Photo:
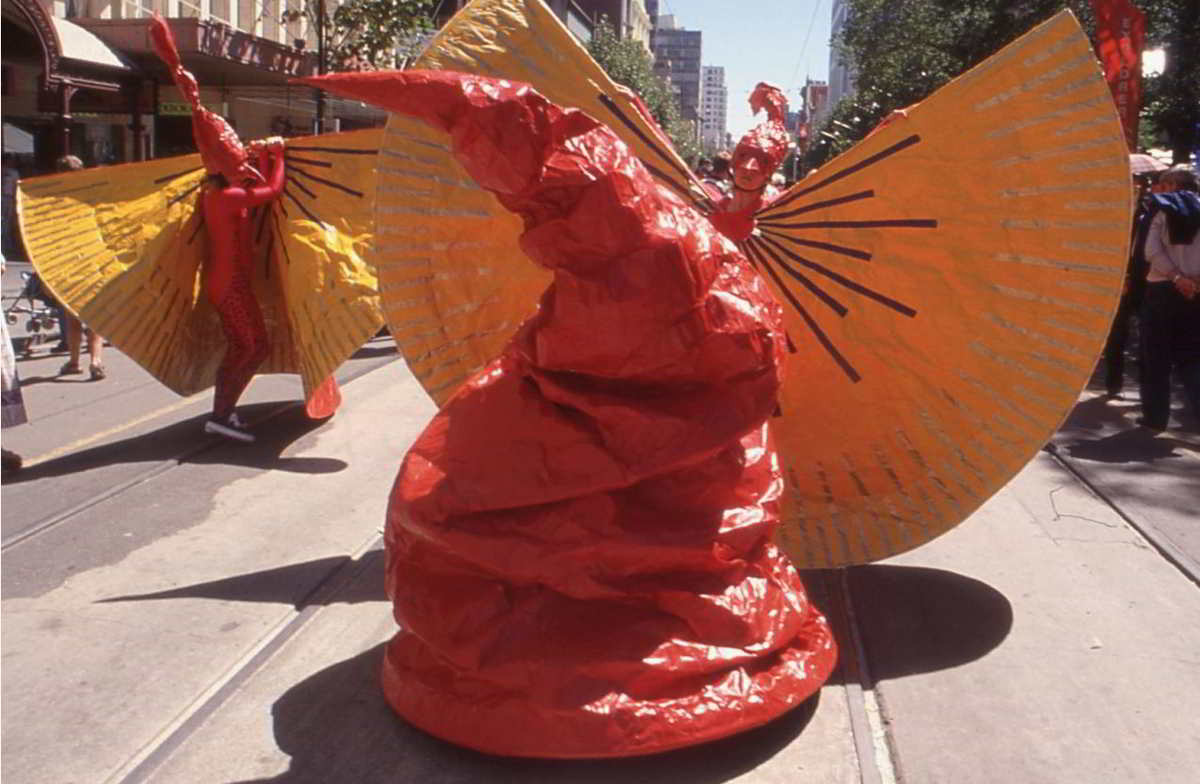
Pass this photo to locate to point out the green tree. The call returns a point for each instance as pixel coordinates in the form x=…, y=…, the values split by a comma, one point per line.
x=367, y=34
x=1171, y=100
x=627, y=62
x=905, y=49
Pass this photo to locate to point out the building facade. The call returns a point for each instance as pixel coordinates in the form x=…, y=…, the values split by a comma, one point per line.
x=816, y=101
x=841, y=67
x=81, y=77
x=713, y=106
x=677, y=58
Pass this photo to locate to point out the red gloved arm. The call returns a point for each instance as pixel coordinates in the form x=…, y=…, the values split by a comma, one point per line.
x=503, y=132
x=244, y=198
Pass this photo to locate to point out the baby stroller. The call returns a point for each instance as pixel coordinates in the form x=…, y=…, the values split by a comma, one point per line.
x=41, y=308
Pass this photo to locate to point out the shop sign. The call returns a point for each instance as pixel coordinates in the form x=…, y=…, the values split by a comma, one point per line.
x=181, y=108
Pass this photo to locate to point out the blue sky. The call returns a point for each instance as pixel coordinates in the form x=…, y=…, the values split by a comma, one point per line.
x=758, y=40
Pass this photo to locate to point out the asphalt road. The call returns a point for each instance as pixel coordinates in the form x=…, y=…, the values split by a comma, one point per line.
x=127, y=434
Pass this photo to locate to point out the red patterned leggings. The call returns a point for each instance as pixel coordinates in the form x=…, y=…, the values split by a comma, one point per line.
x=247, y=344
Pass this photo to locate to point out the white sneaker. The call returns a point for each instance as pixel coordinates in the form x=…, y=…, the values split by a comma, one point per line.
x=231, y=429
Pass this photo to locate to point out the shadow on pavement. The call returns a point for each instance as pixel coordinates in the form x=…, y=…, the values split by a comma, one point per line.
x=916, y=620
x=296, y=584
x=1154, y=474
x=186, y=442
x=1130, y=446
x=336, y=727
x=78, y=378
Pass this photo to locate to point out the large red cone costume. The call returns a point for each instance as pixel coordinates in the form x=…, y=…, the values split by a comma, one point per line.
x=579, y=544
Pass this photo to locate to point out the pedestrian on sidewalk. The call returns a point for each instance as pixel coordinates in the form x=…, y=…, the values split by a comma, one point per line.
x=12, y=405
x=1170, y=317
x=74, y=327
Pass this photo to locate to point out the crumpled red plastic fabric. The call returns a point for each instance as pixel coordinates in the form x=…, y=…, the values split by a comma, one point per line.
x=579, y=544
x=219, y=146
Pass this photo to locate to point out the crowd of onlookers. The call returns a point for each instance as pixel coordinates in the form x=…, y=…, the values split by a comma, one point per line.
x=1162, y=291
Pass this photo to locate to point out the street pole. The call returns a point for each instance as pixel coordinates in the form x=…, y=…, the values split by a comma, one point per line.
x=320, y=94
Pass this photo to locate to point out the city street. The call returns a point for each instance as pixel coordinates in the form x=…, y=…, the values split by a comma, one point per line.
x=925, y=209
x=178, y=608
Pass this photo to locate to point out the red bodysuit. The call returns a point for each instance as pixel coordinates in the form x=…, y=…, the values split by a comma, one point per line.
x=228, y=278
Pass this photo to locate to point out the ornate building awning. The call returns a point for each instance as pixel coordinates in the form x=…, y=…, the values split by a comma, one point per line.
x=70, y=54
x=215, y=52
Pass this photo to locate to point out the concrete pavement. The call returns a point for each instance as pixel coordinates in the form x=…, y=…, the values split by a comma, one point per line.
x=1043, y=640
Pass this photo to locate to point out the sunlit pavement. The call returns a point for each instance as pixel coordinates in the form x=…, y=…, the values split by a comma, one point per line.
x=180, y=609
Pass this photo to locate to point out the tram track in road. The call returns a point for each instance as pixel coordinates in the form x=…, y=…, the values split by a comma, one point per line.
x=142, y=765
x=157, y=469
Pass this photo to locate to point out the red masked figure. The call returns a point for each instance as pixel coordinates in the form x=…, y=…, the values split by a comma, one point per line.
x=755, y=159
x=233, y=188
x=579, y=544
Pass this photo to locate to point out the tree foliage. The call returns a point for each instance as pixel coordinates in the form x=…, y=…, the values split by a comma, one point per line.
x=1171, y=103
x=364, y=35
x=904, y=50
x=628, y=63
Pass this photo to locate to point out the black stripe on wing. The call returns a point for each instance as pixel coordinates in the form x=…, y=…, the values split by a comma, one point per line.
x=293, y=160
x=893, y=223
x=703, y=202
x=303, y=209
x=176, y=175
x=329, y=183
x=794, y=273
x=295, y=181
x=813, y=326
x=818, y=205
x=181, y=196
x=277, y=229
x=333, y=150
x=903, y=144
x=842, y=250
x=774, y=248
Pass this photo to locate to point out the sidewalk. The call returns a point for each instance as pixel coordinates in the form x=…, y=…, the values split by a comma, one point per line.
x=1043, y=640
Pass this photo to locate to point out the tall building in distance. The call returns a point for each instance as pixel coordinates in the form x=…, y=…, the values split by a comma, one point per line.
x=677, y=57
x=841, y=68
x=713, y=103
x=816, y=101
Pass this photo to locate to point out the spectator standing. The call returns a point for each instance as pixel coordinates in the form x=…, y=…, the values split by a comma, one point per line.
x=12, y=406
x=1170, y=317
x=74, y=328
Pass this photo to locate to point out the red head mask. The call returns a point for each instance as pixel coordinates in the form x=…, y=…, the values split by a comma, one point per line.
x=769, y=140
x=219, y=146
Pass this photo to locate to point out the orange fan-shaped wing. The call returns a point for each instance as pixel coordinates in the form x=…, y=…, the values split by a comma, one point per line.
x=948, y=282
x=123, y=247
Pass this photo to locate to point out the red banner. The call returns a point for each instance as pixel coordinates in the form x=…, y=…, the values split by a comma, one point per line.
x=1120, y=34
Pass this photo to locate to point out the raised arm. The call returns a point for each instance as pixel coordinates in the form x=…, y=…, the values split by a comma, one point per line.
x=271, y=161
x=504, y=133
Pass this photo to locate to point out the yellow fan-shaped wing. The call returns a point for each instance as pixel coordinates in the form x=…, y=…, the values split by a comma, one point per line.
x=454, y=283
x=949, y=283
x=123, y=247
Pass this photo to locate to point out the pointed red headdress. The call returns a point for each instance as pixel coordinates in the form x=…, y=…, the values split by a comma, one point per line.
x=770, y=138
x=219, y=145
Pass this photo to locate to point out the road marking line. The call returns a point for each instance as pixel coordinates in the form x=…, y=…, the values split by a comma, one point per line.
x=89, y=440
